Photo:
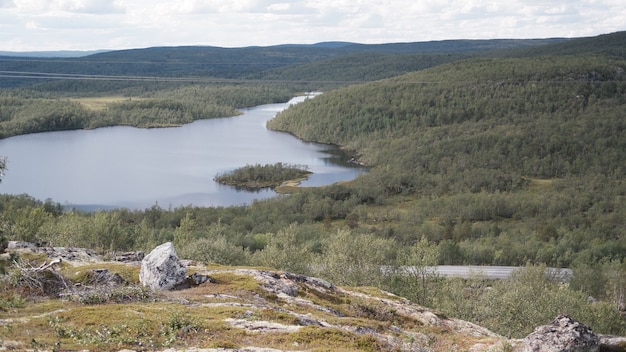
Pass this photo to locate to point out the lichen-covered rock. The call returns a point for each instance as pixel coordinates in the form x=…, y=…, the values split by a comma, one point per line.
x=21, y=245
x=563, y=334
x=194, y=280
x=128, y=257
x=161, y=269
x=104, y=277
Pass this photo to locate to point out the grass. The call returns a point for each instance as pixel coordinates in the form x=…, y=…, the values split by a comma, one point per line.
x=199, y=317
x=129, y=273
x=335, y=340
x=540, y=185
x=100, y=103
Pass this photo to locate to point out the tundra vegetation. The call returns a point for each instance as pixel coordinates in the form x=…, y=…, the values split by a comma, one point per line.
x=507, y=158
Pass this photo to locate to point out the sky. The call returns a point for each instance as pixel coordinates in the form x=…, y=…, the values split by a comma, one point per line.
x=44, y=25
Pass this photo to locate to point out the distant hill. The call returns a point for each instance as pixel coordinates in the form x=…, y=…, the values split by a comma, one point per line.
x=51, y=54
x=319, y=66
x=612, y=44
x=237, y=63
x=451, y=46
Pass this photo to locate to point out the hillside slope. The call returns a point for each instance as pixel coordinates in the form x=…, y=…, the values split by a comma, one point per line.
x=492, y=152
x=73, y=299
x=541, y=117
x=91, y=304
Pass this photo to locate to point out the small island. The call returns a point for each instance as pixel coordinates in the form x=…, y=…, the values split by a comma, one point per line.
x=264, y=176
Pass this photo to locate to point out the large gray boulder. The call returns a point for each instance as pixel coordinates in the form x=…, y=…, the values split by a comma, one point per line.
x=161, y=269
x=563, y=334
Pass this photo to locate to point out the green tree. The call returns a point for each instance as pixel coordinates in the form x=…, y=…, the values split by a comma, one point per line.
x=589, y=279
x=355, y=259
x=215, y=249
x=285, y=252
x=3, y=239
x=26, y=222
x=3, y=166
x=105, y=232
x=532, y=297
x=415, y=276
x=184, y=234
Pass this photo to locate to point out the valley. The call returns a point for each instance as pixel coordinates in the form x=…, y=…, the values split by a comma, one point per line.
x=478, y=153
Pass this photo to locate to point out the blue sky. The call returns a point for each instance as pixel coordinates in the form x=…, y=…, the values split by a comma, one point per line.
x=39, y=25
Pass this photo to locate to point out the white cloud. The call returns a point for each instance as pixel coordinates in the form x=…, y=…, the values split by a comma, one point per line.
x=80, y=6
x=90, y=6
x=6, y=4
x=94, y=24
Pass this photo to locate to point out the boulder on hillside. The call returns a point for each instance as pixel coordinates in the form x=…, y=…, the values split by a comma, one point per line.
x=161, y=269
x=563, y=334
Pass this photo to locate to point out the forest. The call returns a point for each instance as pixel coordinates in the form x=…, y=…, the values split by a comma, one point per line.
x=500, y=157
x=28, y=111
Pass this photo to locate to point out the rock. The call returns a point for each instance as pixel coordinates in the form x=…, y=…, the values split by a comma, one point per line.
x=67, y=254
x=104, y=277
x=21, y=245
x=194, y=280
x=563, y=334
x=71, y=254
x=161, y=269
x=612, y=343
x=128, y=257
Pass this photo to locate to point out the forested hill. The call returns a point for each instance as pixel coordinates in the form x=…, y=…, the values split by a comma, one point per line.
x=520, y=105
x=231, y=63
x=389, y=60
x=516, y=159
x=534, y=117
x=611, y=44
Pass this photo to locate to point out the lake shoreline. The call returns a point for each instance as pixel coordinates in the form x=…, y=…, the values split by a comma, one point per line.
x=137, y=168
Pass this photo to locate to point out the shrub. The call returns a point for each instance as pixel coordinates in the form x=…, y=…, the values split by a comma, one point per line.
x=107, y=294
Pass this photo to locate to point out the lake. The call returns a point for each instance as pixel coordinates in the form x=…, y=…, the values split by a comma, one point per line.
x=138, y=168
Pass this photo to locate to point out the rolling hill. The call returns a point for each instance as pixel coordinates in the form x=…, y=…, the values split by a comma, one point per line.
x=231, y=63
x=474, y=140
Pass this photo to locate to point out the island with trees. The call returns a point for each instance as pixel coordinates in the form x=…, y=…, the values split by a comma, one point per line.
x=264, y=176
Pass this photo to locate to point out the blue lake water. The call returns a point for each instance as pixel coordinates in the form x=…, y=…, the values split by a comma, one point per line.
x=138, y=168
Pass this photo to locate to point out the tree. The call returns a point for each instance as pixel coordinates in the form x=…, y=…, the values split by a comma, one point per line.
x=355, y=259
x=3, y=239
x=416, y=272
x=3, y=166
x=285, y=252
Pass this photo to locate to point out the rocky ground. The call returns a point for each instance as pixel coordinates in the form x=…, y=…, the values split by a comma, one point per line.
x=82, y=301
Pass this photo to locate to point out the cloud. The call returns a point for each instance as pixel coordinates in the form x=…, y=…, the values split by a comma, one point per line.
x=29, y=7
x=90, y=6
x=230, y=7
x=290, y=8
x=6, y=4
x=111, y=24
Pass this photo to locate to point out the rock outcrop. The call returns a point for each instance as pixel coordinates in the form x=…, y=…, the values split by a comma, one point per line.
x=563, y=334
x=305, y=310
x=161, y=269
x=67, y=254
x=128, y=257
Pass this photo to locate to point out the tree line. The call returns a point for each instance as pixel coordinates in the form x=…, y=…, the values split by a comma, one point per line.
x=25, y=111
x=334, y=251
